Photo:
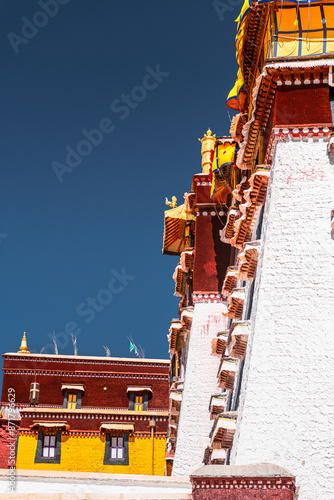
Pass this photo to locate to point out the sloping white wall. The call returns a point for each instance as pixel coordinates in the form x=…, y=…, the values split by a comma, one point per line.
x=199, y=384
x=286, y=413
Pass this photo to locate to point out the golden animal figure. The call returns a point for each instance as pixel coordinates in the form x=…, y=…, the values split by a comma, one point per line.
x=171, y=203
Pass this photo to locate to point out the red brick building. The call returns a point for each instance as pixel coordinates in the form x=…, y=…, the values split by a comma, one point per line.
x=85, y=413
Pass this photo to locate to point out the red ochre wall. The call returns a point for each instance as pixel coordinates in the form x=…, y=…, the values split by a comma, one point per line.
x=294, y=105
x=7, y=443
x=212, y=257
x=302, y=105
x=116, y=377
x=242, y=494
x=90, y=422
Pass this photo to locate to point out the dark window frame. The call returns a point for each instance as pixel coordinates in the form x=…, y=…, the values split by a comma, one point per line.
x=78, y=401
x=116, y=461
x=39, y=459
x=132, y=397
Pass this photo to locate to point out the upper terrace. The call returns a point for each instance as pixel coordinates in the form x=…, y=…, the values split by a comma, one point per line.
x=270, y=32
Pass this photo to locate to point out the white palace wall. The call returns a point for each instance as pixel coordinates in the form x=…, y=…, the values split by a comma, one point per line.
x=286, y=412
x=199, y=384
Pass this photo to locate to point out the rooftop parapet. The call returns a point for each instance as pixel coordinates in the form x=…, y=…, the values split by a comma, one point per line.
x=268, y=31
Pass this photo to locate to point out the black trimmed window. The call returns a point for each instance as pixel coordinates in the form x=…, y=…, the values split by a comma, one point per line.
x=48, y=448
x=72, y=395
x=138, y=402
x=116, y=449
x=49, y=445
x=139, y=397
x=72, y=400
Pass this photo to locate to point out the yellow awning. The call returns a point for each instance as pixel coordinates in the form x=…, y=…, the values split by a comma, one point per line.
x=301, y=30
x=234, y=99
x=117, y=427
x=72, y=387
x=175, y=222
x=136, y=388
x=50, y=425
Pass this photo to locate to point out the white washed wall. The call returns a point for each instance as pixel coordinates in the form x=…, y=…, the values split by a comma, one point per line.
x=286, y=413
x=199, y=384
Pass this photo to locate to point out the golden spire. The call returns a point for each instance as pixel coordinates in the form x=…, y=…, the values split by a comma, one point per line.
x=24, y=346
x=208, y=144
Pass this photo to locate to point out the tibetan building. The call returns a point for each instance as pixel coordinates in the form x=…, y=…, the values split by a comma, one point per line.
x=85, y=413
x=252, y=347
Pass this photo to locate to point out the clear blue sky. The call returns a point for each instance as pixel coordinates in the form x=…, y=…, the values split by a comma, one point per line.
x=60, y=242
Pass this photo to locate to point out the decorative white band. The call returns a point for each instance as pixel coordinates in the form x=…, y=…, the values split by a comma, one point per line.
x=206, y=298
x=293, y=133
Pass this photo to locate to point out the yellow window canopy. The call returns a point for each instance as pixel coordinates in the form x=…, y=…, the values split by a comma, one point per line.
x=224, y=154
x=223, y=172
x=50, y=425
x=135, y=388
x=72, y=387
x=247, y=5
x=236, y=98
x=116, y=427
x=175, y=223
x=300, y=30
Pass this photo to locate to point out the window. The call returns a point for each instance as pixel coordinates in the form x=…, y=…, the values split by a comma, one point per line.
x=116, y=449
x=48, y=448
x=139, y=405
x=73, y=394
x=139, y=397
x=72, y=401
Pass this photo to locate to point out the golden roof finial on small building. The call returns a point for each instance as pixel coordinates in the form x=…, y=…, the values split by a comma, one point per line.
x=171, y=203
x=208, y=144
x=24, y=346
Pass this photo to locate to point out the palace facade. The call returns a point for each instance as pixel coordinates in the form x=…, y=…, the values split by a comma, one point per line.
x=85, y=413
x=252, y=345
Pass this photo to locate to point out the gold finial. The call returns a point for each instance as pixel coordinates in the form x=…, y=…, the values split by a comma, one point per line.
x=208, y=144
x=171, y=203
x=208, y=135
x=24, y=346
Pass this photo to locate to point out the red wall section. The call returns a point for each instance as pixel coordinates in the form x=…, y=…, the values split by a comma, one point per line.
x=203, y=193
x=220, y=494
x=7, y=444
x=93, y=422
x=212, y=257
x=115, y=376
x=302, y=105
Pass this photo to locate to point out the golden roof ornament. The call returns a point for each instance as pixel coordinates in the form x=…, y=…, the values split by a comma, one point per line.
x=171, y=203
x=208, y=145
x=24, y=345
